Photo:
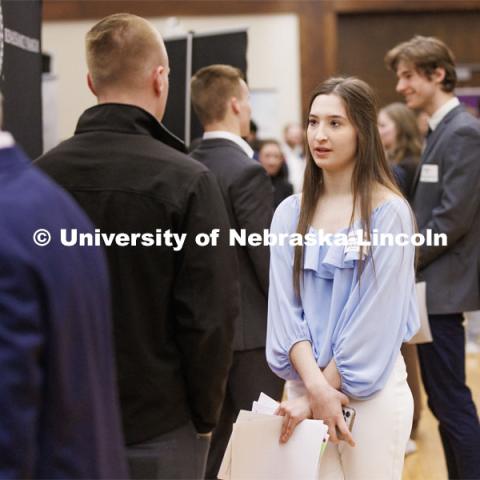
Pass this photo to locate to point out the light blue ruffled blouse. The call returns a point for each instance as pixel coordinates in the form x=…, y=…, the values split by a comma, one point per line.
x=361, y=326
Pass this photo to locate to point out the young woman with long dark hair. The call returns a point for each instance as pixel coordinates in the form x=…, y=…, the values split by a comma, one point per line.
x=338, y=313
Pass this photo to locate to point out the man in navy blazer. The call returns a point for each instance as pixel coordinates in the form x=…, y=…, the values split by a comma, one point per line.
x=446, y=200
x=220, y=98
x=59, y=415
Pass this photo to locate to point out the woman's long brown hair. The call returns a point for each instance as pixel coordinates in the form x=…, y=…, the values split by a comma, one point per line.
x=371, y=166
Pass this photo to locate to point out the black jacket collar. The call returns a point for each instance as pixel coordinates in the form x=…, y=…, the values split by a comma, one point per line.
x=130, y=119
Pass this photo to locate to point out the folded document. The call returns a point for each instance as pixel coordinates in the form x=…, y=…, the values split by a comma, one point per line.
x=255, y=452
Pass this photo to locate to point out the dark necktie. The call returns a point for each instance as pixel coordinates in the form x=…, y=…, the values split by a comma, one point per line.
x=427, y=136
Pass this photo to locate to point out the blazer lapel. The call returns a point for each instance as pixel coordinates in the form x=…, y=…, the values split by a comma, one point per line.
x=431, y=141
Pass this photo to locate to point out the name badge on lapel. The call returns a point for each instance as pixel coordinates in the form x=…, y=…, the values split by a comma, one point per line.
x=429, y=174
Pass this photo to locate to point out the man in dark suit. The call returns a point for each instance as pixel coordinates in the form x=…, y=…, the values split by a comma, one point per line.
x=446, y=200
x=59, y=415
x=173, y=328
x=220, y=98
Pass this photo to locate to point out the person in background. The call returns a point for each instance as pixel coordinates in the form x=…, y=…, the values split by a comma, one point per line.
x=422, y=123
x=252, y=139
x=271, y=158
x=293, y=151
x=401, y=140
x=220, y=99
x=58, y=398
x=445, y=201
x=402, y=143
x=337, y=313
x=173, y=331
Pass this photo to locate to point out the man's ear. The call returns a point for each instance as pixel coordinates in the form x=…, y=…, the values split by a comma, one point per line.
x=438, y=75
x=158, y=80
x=235, y=105
x=90, y=84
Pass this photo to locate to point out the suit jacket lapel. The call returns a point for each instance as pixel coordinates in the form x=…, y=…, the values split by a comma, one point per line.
x=431, y=141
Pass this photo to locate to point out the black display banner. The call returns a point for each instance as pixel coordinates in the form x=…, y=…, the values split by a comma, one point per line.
x=175, y=112
x=228, y=48
x=187, y=55
x=21, y=72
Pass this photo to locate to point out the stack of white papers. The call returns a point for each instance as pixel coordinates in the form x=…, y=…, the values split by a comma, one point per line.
x=424, y=334
x=255, y=452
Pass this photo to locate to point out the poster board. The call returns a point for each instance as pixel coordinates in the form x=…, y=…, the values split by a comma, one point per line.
x=21, y=72
x=187, y=54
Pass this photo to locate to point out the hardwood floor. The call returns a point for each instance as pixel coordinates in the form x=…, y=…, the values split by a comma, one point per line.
x=428, y=462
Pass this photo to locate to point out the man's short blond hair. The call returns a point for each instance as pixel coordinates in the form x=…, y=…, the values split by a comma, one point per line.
x=212, y=88
x=121, y=49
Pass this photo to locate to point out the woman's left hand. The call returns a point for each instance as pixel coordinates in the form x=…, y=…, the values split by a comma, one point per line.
x=294, y=411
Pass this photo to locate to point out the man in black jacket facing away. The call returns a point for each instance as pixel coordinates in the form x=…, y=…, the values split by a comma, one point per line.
x=172, y=328
x=220, y=98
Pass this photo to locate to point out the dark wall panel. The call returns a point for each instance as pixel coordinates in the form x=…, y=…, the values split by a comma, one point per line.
x=174, y=118
x=228, y=48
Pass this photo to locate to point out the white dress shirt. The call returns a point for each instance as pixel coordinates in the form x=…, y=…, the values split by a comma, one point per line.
x=230, y=136
x=440, y=114
x=6, y=140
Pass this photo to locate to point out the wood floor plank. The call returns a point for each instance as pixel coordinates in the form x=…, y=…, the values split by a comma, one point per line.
x=428, y=462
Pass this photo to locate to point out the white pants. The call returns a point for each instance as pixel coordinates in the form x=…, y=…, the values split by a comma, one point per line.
x=381, y=431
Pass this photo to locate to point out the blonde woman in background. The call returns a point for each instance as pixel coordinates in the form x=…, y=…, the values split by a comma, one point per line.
x=402, y=142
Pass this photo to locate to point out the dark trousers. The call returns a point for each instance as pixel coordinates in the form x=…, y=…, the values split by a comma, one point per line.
x=248, y=377
x=179, y=454
x=442, y=364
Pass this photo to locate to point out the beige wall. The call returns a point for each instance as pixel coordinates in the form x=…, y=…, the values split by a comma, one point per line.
x=273, y=61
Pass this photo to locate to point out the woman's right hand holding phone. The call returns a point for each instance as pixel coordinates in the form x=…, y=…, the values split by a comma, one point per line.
x=326, y=403
x=325, y=400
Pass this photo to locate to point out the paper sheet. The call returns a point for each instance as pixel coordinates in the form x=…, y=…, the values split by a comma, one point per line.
x=254, y=450
x=424, y=335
